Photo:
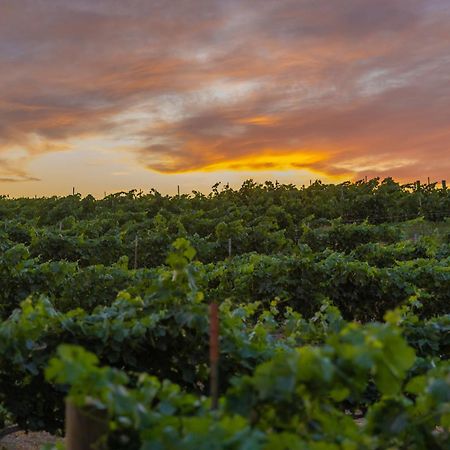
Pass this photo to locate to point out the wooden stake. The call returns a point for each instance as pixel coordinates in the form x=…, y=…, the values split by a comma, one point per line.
x=135, y=252
x=86, y=428
x=229, y=248
x=73, y=191
x=214, y=354
x=178, y=189
x=444, y=184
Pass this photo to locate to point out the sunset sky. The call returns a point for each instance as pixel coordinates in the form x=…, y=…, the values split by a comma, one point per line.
x=110, y=95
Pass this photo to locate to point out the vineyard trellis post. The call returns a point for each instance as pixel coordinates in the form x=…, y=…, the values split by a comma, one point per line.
x=214, y=354
x=86, y=428
x=136, y=239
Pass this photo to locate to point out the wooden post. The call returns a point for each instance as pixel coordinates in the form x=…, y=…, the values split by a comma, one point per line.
x=229, y=248
x=178, y=190
x=73, y=191
x=86, y=428
x=420, y=197
x=428, y=180
x=214, y=354
x=136, y=252
x=444, y=184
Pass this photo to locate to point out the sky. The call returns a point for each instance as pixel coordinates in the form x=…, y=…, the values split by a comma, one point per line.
x=111, y=95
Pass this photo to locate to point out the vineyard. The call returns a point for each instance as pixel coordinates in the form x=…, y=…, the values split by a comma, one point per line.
x=334, y=310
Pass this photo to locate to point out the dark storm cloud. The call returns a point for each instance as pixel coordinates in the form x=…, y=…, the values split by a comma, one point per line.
x=199, y=84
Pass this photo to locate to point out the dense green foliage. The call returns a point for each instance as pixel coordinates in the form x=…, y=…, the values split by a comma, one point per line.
x=269, y=218
x=301, y=398
x=304, y=351
x=364, y=283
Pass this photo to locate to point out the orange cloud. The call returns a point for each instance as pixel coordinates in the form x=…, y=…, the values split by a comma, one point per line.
x=276, y=159
x=259, y=120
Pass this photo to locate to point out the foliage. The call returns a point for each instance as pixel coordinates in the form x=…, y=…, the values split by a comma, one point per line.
x=294, y=400
x=303, y=278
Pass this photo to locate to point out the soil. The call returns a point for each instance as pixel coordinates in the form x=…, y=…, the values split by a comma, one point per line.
x=26, y=441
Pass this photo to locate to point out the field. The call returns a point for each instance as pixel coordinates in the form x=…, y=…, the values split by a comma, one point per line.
x=333, y=307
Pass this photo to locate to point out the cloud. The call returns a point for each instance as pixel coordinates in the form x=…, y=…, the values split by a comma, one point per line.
x=11, y=172
x=15, y=180
x=349, y=87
